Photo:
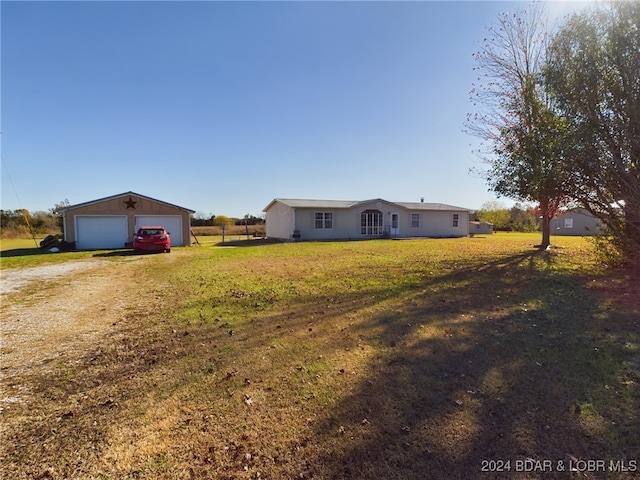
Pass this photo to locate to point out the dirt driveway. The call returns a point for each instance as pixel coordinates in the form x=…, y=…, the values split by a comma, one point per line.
x=60, y=312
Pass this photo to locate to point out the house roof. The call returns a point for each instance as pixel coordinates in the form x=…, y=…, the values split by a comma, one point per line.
x=345, y=204
x=307, y=203
x=431, y=206
x=125, y=194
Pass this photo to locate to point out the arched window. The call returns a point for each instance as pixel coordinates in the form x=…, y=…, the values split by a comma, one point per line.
x=371, y=222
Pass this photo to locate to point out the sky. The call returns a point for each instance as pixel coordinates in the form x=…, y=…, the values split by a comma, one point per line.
x=221, y=107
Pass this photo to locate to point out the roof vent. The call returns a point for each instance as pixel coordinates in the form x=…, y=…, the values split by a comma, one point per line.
x=421, y=199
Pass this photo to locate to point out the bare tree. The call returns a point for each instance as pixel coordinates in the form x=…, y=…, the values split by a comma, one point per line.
x=523, y=149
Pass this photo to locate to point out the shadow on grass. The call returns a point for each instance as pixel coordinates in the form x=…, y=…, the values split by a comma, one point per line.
x=253, y=242
x=23, y=252
x=494, y=363
x=119, y=253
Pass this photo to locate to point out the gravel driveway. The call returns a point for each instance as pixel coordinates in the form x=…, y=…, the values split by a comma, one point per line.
x=58, y=312
x=15, y=279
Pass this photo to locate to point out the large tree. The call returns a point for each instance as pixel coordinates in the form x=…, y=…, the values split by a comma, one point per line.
x=524, y=154
x=593, y=74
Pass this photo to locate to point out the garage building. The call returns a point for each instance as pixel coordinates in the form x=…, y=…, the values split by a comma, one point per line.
x=112, y=221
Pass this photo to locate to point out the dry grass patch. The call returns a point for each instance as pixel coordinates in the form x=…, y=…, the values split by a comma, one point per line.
x=385, y=359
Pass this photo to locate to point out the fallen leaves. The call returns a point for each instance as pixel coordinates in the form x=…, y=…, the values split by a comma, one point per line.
x=109, y=402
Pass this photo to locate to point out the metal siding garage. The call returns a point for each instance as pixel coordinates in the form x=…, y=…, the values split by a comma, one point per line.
x=173, y=224
x=111, y=222
x=101, y=232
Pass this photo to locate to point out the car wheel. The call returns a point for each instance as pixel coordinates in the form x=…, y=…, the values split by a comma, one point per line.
x=168, y=250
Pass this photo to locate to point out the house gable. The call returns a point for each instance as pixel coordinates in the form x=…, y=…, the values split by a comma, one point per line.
x=129, y=199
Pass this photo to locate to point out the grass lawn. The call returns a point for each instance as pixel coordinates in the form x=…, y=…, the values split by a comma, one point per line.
x=22, y=252
x=384, y=359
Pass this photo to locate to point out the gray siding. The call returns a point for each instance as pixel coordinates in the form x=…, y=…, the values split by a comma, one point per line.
x=280, y=220
x=283, y=219
x=577, y=222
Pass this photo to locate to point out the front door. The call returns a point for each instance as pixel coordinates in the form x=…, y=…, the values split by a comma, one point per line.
x=395, y=224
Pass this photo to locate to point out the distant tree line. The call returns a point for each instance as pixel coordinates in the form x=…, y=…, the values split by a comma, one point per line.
x=21, y=222
x=209, y=220
x=518, y=218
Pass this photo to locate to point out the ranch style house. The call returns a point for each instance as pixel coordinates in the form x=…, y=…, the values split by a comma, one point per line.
x=299, y=219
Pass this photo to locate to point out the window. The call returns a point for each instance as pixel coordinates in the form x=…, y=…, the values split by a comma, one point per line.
x=415, y=220
x=371, y=222
x=324, y=219
x=568, y=223
x=456, y=218
x=328, y=220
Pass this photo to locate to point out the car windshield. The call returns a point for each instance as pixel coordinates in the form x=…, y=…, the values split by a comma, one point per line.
x=151, y=231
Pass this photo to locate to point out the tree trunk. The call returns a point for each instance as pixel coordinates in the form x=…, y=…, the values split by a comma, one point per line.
x=546, y=223
x=631, y=244
x=546, y=232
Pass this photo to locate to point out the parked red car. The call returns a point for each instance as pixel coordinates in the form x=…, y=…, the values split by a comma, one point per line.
x=152, y=239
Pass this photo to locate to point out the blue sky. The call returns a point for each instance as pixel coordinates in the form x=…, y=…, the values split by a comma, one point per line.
x=222, y=106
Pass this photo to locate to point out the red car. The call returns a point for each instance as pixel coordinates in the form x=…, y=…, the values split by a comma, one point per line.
x=152, y=239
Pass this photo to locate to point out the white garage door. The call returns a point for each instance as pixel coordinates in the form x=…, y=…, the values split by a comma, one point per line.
x=172, y=223
x=101, y=232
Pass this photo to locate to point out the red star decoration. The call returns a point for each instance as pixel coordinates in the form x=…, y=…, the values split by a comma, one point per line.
x=130, y=203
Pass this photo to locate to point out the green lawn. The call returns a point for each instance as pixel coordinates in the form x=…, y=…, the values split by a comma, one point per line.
x=21, y=253
x=381, y=359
